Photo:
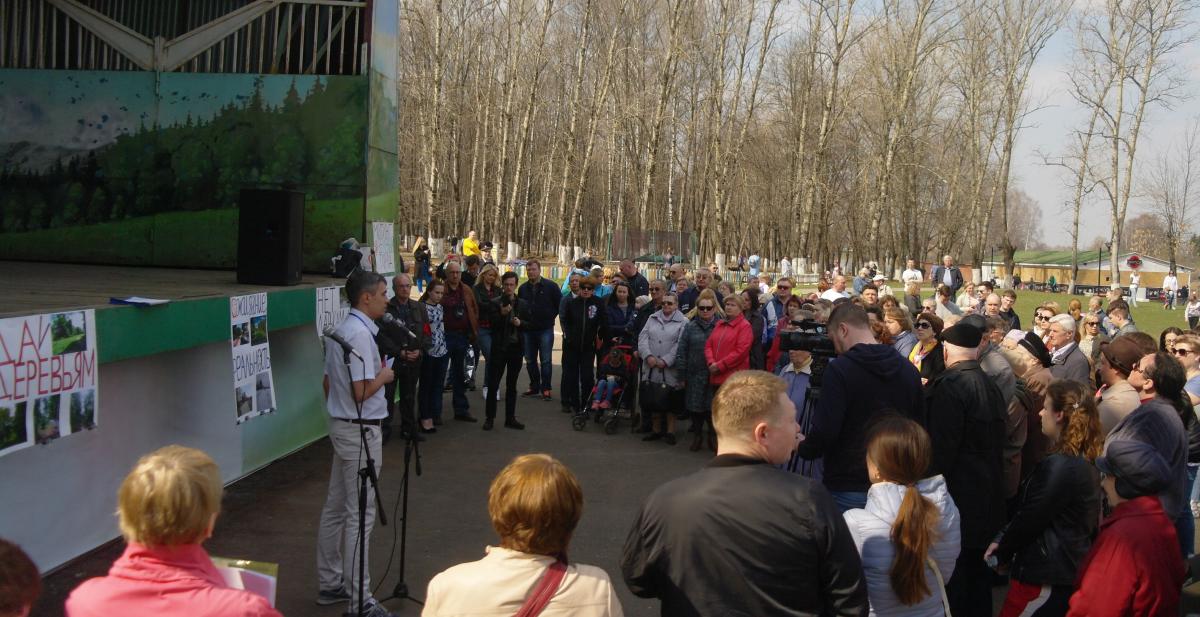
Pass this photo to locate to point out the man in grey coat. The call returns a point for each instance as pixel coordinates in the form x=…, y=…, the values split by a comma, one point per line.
x=1069, y=361
x=742, y=537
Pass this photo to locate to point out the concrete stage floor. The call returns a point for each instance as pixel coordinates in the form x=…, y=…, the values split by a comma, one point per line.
x=37, y=287
x=273, y=514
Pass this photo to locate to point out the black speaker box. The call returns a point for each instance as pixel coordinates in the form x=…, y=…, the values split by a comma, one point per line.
x=270, y=237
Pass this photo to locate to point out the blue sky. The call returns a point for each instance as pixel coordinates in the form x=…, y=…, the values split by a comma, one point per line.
x=1049, y=130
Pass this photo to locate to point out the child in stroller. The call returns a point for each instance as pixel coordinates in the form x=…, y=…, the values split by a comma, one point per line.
x=613, y=373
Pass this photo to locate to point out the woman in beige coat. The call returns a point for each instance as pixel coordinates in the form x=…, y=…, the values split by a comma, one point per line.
x=535, y=503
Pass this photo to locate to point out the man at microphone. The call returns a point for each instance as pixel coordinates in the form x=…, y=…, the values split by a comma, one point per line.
x=352, y=343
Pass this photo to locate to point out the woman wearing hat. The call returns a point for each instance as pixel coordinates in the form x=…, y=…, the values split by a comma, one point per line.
x=1134, y=566
x=1060, y=506
x=926, y=355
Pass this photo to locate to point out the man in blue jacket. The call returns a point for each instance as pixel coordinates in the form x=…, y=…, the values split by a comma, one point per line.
x=865, y=380
x=543, y=297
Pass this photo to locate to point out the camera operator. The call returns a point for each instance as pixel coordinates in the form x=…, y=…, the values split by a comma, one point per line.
x=506, y=313
x=865, y=379
x=406, y=351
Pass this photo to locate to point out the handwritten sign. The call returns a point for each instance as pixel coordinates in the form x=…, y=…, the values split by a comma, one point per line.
x=253, y=387
x=48, y=378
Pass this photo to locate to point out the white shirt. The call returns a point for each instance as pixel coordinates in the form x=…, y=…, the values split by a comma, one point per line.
x=832, y=294
x=497, y=585
x=1170, y=283
x=1134, y=279
x=912, y=275
x=359, y=331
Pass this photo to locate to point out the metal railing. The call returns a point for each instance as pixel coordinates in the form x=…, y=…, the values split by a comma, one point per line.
x=195, y=36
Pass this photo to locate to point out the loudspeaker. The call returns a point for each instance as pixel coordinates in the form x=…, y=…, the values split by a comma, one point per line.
x=270, y=236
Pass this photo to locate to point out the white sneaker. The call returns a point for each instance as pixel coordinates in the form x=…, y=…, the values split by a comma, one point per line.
x=485, y=389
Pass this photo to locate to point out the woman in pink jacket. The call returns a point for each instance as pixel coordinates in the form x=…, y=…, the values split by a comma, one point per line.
x=728, y=348
x=167, y=506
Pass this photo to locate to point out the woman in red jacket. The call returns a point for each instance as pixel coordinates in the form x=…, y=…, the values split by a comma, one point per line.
x=1134, y=567
x=728, y=349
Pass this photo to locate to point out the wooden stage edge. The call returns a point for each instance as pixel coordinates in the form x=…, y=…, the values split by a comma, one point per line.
x=30, y=288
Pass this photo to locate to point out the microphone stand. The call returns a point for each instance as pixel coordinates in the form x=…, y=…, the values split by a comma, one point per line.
x=411, y=447
x=365, y=475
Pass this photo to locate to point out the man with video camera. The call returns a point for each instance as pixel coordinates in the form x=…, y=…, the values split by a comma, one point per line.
x=863, y=381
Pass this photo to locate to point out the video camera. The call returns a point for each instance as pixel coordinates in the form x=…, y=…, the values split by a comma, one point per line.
x=808, y=335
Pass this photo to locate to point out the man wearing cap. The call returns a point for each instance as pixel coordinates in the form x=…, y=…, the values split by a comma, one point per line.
x=1031, y=364
x=1069, y=360
x=967, y=428
x=880, y=283
x=1134, y=567
x=1117, y=398
x=1156, y=422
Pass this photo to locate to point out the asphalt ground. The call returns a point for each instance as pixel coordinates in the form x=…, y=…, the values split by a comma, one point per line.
x=273, y=514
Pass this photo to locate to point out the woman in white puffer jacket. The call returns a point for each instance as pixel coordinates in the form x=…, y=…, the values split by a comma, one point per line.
x=902, y=581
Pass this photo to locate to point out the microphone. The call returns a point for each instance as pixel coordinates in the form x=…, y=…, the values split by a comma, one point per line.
x=346, y=347
x=390, y=320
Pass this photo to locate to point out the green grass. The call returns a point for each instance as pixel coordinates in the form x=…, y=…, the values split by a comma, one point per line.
x=1149, y=316
x=62, y=344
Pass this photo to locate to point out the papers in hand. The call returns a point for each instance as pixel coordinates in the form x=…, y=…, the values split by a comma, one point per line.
x=138, y=301
x=257, y=577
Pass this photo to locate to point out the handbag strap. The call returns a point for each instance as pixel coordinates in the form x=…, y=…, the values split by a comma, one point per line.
x=941, y=584
x=545, y=589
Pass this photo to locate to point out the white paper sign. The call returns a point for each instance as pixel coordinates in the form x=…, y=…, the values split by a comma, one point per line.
x=332, y=308
x=48, y=378
x=253, y=386
x=383, y=239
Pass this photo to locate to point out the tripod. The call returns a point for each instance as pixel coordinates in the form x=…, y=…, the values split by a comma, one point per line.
x=368, y=479
x=812, y=394
x=412, y=455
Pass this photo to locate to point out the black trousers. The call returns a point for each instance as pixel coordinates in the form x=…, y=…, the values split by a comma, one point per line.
x=401, y=397
x=506, y=363
x=970, y=589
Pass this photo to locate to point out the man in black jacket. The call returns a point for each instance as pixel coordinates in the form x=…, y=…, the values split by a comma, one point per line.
x=543, y=297
x=967, y=429
x=637, y=283
x=401, y=394
x=506, y=313
x=865, y=380
x=949, y=275
x=741, y=536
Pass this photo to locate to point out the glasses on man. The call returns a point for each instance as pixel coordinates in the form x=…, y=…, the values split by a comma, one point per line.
x=783, y=287
x=921, y=325
x=703, y=307
x=588, y=287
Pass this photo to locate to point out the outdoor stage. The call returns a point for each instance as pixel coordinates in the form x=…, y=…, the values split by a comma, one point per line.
x=38, y=287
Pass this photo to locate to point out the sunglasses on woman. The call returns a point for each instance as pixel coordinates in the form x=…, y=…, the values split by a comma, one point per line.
x=704, y=308
x=1181, y=351
x=921, y=325
x=1042, y=318
x=587, y=287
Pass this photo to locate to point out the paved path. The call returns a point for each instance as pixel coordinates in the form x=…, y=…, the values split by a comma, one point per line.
x=273, y=515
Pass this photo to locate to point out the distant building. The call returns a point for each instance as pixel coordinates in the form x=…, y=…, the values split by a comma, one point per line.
x=1039, y=266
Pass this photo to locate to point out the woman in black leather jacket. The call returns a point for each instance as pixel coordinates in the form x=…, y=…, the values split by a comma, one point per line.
x=1059, y=509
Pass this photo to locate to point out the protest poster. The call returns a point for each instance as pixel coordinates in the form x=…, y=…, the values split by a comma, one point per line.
x=332, y=308
x=49, y=377
x=253, y=387
x=383, y=239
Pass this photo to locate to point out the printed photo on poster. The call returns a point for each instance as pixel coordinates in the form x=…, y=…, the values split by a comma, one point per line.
x=252, y=382
x=48, y=378
x=14, y=427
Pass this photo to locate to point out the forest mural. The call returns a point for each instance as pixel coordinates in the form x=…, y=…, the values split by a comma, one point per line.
x=134, y=168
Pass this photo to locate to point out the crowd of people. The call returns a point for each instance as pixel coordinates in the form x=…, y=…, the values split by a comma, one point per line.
x=933, y=447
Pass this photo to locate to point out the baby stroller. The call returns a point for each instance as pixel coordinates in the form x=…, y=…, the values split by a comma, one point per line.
x=618, y=370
